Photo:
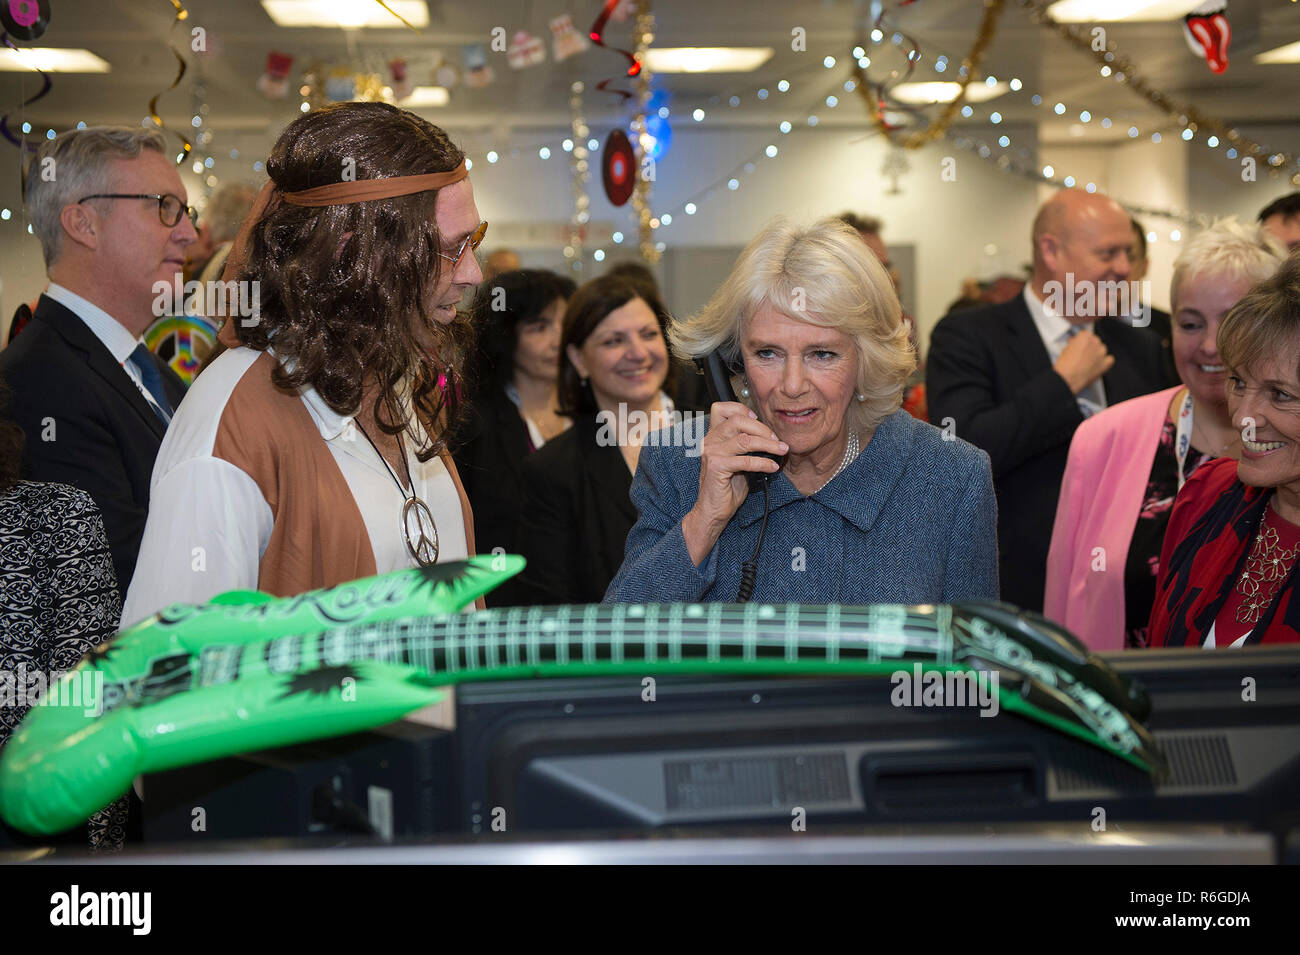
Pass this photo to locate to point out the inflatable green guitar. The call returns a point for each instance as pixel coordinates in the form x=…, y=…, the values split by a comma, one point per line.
x=247, y=672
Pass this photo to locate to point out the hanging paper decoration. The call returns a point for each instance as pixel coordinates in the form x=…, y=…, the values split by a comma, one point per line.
x=597, y=35
x=341, y=86
x=25, y=19
x=525, y=50
x=400, y=80
x=181, y=14
x=446, y=76
x=478, y=74
x=566, y=41
x=274, y=82
x=1207, y=32
x=618, y=167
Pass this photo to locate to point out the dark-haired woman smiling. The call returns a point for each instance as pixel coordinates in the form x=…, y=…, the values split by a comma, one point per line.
x=514, y=405
x=576, y=511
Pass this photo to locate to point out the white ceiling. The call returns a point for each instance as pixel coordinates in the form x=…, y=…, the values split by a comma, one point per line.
x=132, y=35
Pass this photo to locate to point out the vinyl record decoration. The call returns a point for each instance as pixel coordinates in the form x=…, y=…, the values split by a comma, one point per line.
x=618, y=167
x=25, y=19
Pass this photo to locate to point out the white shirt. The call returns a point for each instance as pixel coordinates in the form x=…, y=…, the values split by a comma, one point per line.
x=112, y=333
x=209, y=525
x=1055, y=331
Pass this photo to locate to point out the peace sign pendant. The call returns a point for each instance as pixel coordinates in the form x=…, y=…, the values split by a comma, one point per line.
x=420, y=532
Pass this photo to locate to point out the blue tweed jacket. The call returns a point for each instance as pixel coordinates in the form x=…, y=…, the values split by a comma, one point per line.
x=912, y=520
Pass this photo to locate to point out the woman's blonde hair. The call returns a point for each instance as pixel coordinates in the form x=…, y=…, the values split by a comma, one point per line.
x=824, y=275
x=1228, y=249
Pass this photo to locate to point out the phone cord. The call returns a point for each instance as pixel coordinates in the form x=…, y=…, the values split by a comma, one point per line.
x=749, y=569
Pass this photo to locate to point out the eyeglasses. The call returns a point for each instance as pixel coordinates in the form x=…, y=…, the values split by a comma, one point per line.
x=472, y=242
x=170, y=208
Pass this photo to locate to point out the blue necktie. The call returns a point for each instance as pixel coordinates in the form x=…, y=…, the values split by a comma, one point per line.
x=151, y=378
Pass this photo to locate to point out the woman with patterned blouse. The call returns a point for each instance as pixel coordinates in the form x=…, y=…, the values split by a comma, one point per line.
x=58, y=596
x=1127, y=463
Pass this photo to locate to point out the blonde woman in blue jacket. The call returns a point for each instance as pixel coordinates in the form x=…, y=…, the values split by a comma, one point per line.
x=868, y=505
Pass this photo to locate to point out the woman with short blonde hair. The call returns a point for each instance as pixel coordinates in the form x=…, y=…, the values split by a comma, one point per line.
x=1127, y=463
x=818, y=274
x=863, y=503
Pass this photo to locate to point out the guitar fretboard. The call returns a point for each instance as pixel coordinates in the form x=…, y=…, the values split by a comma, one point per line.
x=524, y=638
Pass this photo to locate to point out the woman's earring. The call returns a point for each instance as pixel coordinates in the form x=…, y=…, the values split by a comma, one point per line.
x=861, y=397
x=585, y=382
x=744, y=392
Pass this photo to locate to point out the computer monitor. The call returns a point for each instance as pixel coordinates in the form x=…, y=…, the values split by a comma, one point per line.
x=604, y=754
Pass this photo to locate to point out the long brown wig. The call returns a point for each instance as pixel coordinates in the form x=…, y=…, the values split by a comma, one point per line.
x=346, y=290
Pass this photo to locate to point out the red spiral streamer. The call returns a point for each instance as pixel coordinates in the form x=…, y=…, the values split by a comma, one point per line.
x=597, y=35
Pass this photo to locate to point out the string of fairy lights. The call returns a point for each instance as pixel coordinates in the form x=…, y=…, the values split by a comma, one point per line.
x=1001, y=151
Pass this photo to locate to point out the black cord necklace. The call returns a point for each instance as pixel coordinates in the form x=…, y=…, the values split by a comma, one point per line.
x=419, y=529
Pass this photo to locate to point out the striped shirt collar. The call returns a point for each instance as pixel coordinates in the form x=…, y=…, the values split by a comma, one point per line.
x=112, y=333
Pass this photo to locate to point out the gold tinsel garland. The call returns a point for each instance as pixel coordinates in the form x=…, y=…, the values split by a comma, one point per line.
x=1124, y=72
x=643, y=35
x=938, y=127
x=578, y=173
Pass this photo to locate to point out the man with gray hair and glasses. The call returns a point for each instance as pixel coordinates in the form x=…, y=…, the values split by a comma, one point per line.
x=113, y=219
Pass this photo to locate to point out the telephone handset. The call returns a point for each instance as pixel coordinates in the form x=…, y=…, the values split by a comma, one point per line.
x=717, y=377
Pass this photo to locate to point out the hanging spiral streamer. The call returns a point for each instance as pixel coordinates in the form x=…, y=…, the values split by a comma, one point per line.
x=597, y=35
x=181, y=14
x=46, y=85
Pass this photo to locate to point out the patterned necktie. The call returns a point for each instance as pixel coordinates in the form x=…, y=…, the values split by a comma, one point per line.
x=1093, y=398
x=151, y=378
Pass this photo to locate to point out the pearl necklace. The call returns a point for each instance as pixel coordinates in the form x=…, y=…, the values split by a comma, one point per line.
x=851, y=451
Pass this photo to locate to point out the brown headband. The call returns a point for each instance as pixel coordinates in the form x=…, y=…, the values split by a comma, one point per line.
x=361, y=190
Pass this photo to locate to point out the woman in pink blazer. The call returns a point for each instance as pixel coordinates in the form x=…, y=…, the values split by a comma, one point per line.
x=1127, y=463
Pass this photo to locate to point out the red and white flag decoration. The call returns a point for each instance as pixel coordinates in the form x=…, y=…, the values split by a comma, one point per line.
x=525, y=50
x=1208, y=33
x=566, y=41
x=274, y=83
x=478, y=73
x=399, y=81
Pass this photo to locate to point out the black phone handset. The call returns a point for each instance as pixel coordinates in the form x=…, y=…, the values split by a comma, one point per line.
x=717, y=377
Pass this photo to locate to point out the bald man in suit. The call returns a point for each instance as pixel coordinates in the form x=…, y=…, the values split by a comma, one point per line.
x=1017, y=379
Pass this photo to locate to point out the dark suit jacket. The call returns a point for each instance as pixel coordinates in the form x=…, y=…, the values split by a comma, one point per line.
x=577, y=512
x=989, y=372
x=489, y=455
x=1162, y=327
x=86, y=422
